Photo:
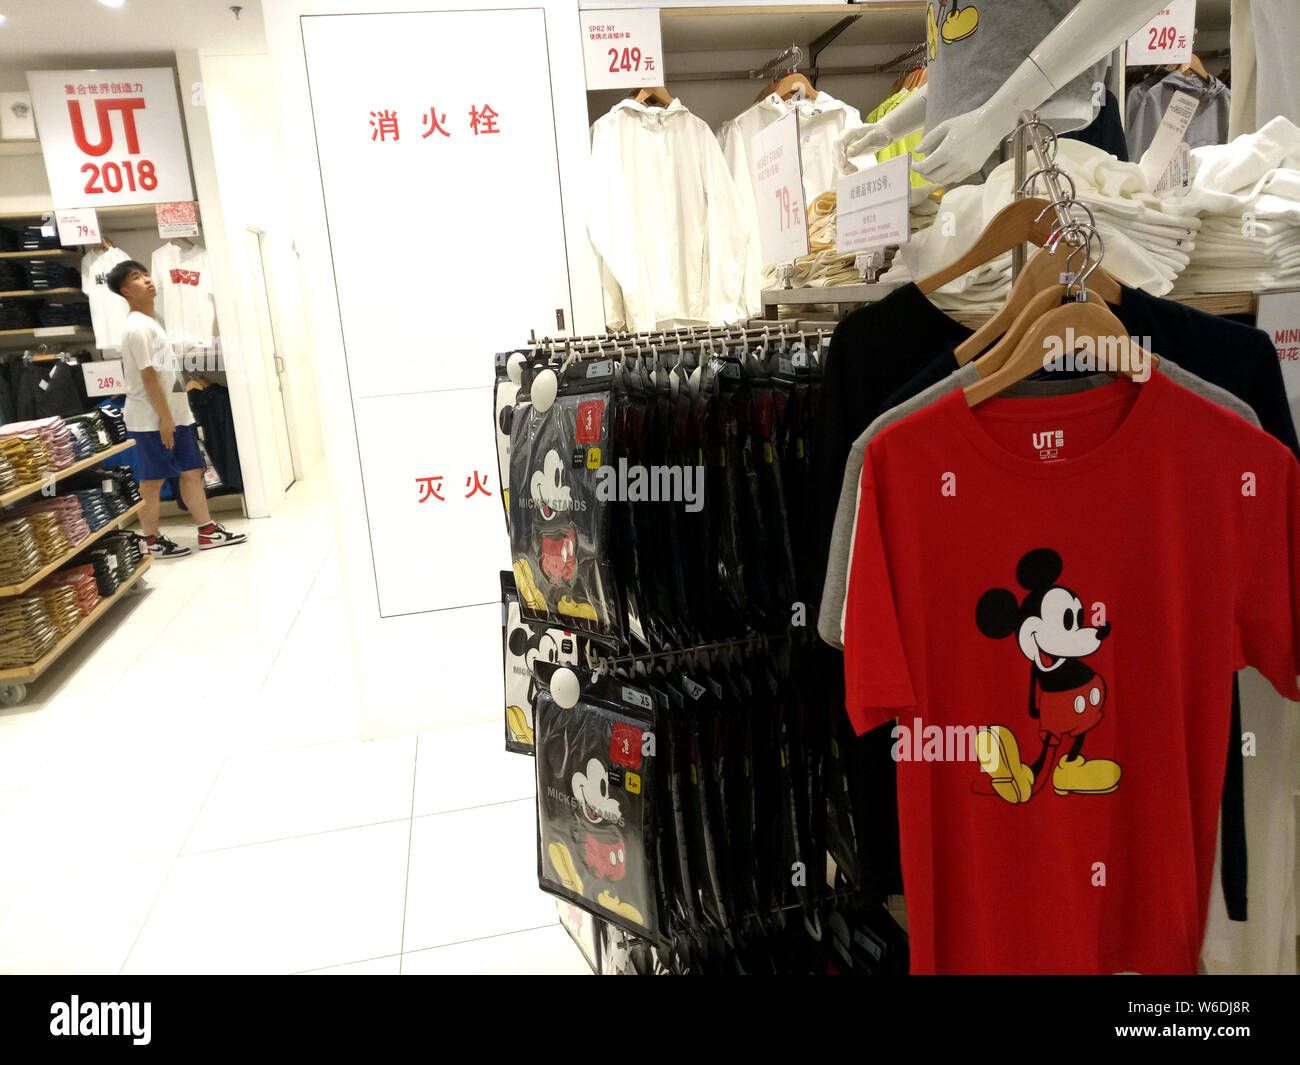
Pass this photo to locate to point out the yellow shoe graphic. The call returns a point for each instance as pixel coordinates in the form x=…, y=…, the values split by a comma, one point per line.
x=626, y=909
x=575, y=609
x=1096, y=776
x=527, y=586
x=563, y=863
x=518, y=725
x=931, y=30
x=999, y=757
x=960, y=24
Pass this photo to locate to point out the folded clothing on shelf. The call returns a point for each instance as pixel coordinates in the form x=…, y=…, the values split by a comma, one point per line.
x=81, y=579
x=54, y=435
x=114, y=558
x=47, y=273
x=95, y=426
x=8, y=475
x=50, y=539
x=18, y=314
x=13, y=278
x=26, y=454
x=20, y=555
x=57, y=312
x=96, y=510
x=116, y=485
x=37, y=238
x=83, y=444
x=9, y=240
x=67, y=510
x=62, y=605
x=27, y=632
x=114, y=422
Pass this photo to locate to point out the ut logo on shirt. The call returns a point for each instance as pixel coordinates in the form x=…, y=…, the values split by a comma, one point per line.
x=1051, y=438
x=184, y=277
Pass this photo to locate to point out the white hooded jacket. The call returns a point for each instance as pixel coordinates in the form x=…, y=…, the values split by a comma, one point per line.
x=665, y=220
x=822, y=120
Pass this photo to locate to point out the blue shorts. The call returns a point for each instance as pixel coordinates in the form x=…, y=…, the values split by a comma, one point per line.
x=155, y=463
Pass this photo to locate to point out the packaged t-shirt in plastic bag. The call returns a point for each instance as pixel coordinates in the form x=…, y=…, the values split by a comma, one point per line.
x=524, y=644
x=596, y=795
x=559, y=521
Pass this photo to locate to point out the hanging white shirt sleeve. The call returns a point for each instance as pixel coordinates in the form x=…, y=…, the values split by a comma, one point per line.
x=609, y=223
x=728, y=237
x=736, y=151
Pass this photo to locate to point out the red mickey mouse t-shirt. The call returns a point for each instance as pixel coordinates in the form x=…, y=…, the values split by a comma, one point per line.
x=1052, y=595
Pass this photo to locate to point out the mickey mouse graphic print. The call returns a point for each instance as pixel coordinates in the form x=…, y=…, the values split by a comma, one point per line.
x=1065, y=693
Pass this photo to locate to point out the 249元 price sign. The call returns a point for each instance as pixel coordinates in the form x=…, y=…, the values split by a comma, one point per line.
x=1166, y=38
x=622, y=48
x=111, y=137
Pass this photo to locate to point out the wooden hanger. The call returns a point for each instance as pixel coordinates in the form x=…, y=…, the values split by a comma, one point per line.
x=1041, y=273
x=656, y=94
x=787, y=86
x=1088, y=320
x=1195, y=66
x=1020, y=222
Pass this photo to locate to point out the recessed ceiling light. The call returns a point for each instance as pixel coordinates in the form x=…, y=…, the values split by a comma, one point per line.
x=112, y=3
x=3, y=20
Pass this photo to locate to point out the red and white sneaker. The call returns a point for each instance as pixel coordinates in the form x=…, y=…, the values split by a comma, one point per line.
x=216, y=535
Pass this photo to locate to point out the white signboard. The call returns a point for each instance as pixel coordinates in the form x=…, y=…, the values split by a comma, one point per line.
x=104, y=378
x=111, y=137
x=622, y=49
x=1279, y=317
x=1167, y=38
x=871, y=206
x=778, y=185
x=78, y=226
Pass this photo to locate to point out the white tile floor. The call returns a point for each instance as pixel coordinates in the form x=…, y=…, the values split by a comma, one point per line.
x=185, y=792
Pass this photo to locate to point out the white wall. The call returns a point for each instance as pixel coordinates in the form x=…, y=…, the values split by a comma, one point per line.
x=251, y=175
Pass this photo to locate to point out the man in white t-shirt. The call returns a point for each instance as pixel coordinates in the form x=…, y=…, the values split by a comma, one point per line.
x=158, y=417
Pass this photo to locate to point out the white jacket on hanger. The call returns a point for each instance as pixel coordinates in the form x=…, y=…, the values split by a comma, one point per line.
x=665, y=219
x=821, y=121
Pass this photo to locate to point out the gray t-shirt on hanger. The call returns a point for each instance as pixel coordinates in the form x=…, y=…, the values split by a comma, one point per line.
x=830, y=621
x=973, y=46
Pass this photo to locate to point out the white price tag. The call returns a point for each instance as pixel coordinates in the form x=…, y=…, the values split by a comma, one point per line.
x=778, y=188
x=1167, y=38
x=1279, y=316
x=1177, y=178
x=78, y=227
x=1173, y=127
x=871, y=207
x=622, y=48
x=104, y=378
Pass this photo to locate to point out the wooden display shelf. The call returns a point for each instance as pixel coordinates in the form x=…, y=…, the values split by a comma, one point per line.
x=42, y=292
x=32, y=487
x=70, y=554
x=42, y=253
x=25, y=673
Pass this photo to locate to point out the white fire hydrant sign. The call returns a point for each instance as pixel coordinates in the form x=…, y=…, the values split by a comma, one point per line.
x=622, y=48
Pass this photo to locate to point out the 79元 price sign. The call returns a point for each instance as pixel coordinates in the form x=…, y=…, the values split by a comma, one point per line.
x=778, y=191
x=622, y=48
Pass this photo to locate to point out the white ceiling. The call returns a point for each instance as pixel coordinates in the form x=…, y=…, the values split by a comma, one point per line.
x=47, y=33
